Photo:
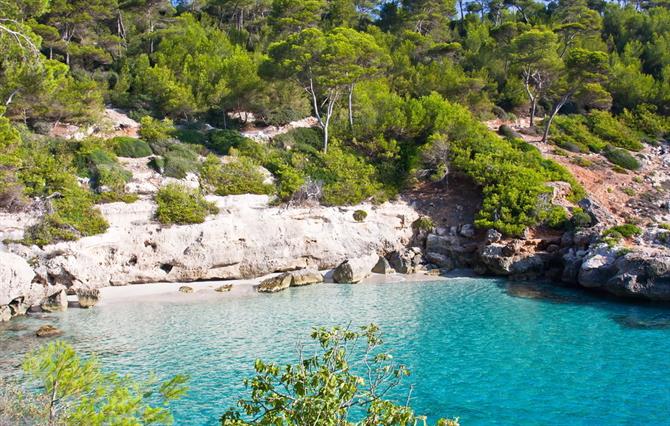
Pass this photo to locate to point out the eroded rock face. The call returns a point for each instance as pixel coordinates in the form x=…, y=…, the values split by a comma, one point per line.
x=247, y=239
x=383, y=267
x=275, y=284
x=17, y=291
x=305, y=277
x=597, y=267
x=352, y=271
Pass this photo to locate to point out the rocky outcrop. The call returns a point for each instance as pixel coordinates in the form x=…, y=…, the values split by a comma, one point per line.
x=305, y=277
x=88, y=297
x=17, y=290
x=247, y=239
x=352, y=271
x=275, y=284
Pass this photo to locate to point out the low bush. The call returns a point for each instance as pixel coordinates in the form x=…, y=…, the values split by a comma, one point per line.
x=152, y=130
x=240, y=176
x=191, y=136
x=580, y=219
x=177, y=159
x=581, y=161
x=289, y=180
x=606, y=126
x=177, y=204
x=130, y=147
x=627, y=230
x=621, y=158
x=360, y=215
x=424, y=223
x=306, y=139
x=645, y=120
x=221, y=141
x=573, y=131
x=556, y=218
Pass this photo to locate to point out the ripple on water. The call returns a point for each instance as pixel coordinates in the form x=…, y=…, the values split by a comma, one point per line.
x=488, y=351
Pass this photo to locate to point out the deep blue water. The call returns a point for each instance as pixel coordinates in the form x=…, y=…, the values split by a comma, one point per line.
x=482, y=350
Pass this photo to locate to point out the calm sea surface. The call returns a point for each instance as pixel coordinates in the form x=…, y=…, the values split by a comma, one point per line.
x=479, y=349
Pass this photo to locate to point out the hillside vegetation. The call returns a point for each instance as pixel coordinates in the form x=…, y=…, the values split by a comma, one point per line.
x=398, y=90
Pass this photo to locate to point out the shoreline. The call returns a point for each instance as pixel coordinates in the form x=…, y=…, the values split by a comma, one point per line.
x=203, y=290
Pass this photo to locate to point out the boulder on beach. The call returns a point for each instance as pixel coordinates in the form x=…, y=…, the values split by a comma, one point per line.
x=275, y=284
x=352, y=271
x=185, y=289
x=383, y=267
x=304, y=277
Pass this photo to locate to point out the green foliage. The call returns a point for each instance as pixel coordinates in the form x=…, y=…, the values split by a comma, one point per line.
x=424, y=223
x=580, y=219
x=573, y=130
x=360, y=215
x=221, y=141
x=77, y=391
x=627, y=230
x=327, y=386
x=153, y=130
x=607, y=127
x=177, y=159
x=130, y=147
x=556, y=218
x=621, y=158
x=180, y=205
x=239, y=176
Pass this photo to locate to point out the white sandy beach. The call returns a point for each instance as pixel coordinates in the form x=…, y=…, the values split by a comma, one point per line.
x=206, y=289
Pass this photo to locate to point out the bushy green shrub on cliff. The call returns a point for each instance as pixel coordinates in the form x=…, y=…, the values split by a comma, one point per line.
x=177, y=204
x=239, y=176
x=614, y=131
x=130, y=147
x=152, y=130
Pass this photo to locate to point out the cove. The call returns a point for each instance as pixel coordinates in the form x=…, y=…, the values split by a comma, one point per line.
x=484, y=350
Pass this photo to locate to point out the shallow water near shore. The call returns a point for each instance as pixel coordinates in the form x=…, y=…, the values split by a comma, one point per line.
x=483, y=350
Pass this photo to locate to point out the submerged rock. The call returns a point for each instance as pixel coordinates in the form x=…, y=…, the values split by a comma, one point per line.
x=48, y=331
x=305, y=277
x=88, y=297
x=186, y=289
x=654, y=323
x=275, y=284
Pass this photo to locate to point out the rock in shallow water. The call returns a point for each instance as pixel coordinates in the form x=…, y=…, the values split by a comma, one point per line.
x=224, y=288
x=275, y=284
x=305, y=277
x=48, y=331
x=56, y=302
x=383, y=267
x=352, y=271
x=88, y=297
x=186, y=289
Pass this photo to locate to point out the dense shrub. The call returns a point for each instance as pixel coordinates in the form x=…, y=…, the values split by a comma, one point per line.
x=424, y=223
x=580, y=219
x=130, y=147
x=177, y=204
x=556, y=218
x=621, y=158
x=289, y=180
x=177, y=159
x=571, y=132
x=191, y=136
x=614, y=131
x=240, y=176
x=348, y=178
x=153, y=130
x=645, y=120
x=306, y=139
x=360, y=215
x=221, y=141
x=626, y=230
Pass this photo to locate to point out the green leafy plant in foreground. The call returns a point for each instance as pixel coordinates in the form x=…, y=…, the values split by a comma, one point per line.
x=75, y=391
x=327, y=388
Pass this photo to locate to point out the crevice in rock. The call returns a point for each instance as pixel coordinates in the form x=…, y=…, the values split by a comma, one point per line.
x=167, y=267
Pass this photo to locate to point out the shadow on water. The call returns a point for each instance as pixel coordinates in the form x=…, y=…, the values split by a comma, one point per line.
x=627, y=313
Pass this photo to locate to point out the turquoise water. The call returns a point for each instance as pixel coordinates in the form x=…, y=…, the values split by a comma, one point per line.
x=483, y=350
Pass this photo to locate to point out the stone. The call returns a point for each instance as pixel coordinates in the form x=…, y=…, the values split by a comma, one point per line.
x=401, y=261
x=56, y=301
x=383, y=267
x=553, y=248
x=18, y=307
x=352, y=271
x=598, y=266
x=275, y=284
x=224, y=288
x=88, y=297
x=16, y=278
x=467, y=230
x=305, y=277
x=5, y=313
x=599, y=215
x=493, y=236
x=440, y=260
x=48, y=331
x=185, y=289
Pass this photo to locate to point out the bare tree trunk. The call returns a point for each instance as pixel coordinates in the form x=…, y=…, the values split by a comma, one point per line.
x=351, y=109
x=554, y=112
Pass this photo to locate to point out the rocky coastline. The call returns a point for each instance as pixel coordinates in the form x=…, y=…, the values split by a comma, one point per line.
x=250, y=238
